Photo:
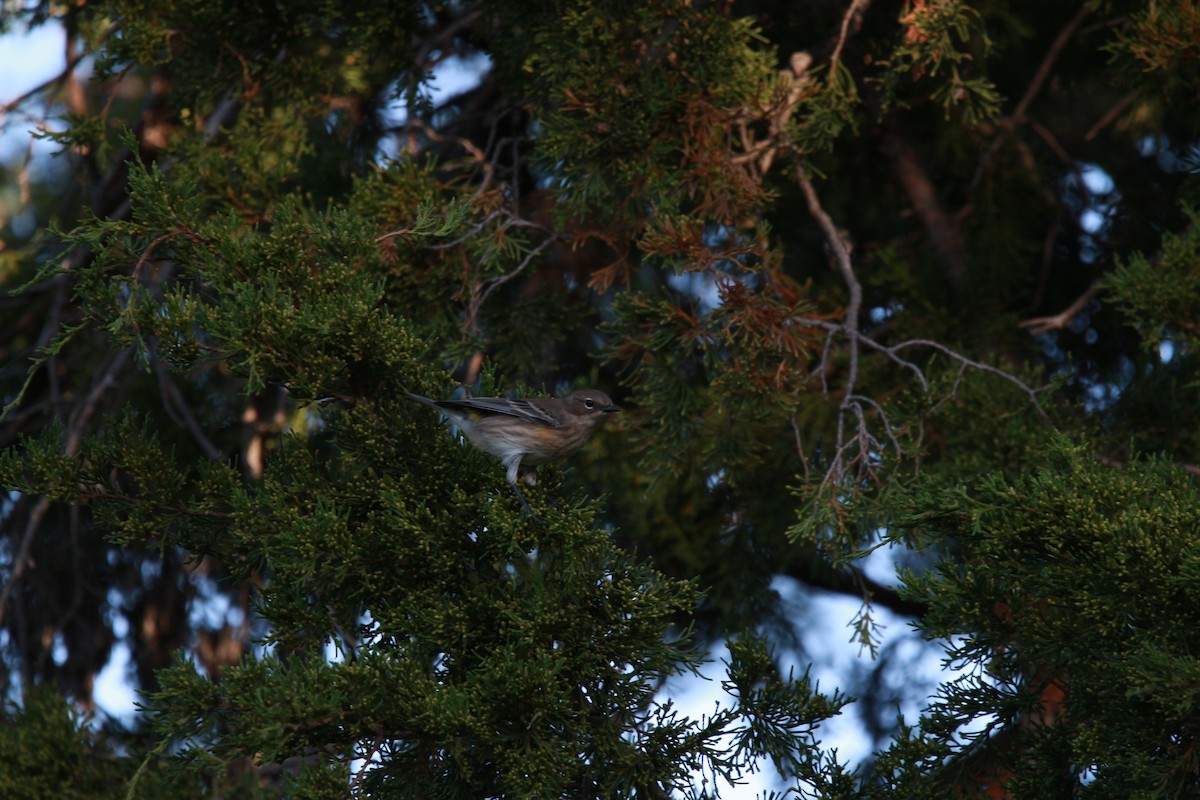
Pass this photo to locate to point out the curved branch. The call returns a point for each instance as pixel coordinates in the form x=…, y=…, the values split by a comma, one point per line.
x=1056, y=322
x=1010, y=123
x=943, y=233
x=855, y=583
x=842, y=258
x=853, y=16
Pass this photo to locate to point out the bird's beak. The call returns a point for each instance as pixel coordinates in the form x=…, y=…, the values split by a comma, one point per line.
x=610, y=408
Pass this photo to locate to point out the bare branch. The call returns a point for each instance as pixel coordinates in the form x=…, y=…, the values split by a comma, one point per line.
x=822, y=366
x=890, y=352
x=849, y=327
x=1111, y=116
x=892, y=435
x=1052, y=54
x=800, y=446
x=942, y=231
x=442, y=38
x=841, y=254
x=485, y=289
x=853, y=16
x=73, y=436
x=368, y=759
x=1010, y=123
x=21, y=559
x=1039, y=325
x=72, y=440
x=511, y=222
x=976, y=365
x=177, y=408
x=73, y=59
x=477, y=155
x=842, y=259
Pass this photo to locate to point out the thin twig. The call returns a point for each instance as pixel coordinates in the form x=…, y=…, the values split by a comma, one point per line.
x=472, y=231
x=822, y=366
x=850, y=326
x=800, y=446
x=1039, y=325
x=368, y=759
x=1008, y=125
x=73, y=60
x=853, y=16
x=896, y=359
x=492, y=284
x=73, y=436
x=841, y=257
x=21, y=560
x=478, y=156
x=887, y=425
x=977, y=365
x=177, y=408
x=1052, y=54
x=442, y=37
x=145, y=256
x=1055, y=146
x=72, y=439
x=1111, y=116
x=392, y=234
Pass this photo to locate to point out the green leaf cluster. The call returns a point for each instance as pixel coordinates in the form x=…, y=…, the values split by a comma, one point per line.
x=1162, y=297
x=1062, y=592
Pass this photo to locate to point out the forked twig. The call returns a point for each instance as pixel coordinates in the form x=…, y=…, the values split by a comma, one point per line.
x=1056, y=322
x=860, y=448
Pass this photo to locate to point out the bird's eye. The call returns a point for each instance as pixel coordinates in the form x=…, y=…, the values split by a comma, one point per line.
x=589, y=403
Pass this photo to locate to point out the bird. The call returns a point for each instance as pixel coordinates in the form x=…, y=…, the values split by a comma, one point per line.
x=529, y=431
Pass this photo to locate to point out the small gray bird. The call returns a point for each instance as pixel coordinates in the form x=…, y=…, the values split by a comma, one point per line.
x=531, y=431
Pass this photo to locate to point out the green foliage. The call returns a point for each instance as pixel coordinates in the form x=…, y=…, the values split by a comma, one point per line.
x=336, y=47
x=781, y=714
x=1163, y=297
x=625, y=91
x=1060, y=589
x=528, y=648
x=268, y=302
x=48, y=751
x=501, y=687
x=939, y=44
x=795, y=242
x=1159, y=41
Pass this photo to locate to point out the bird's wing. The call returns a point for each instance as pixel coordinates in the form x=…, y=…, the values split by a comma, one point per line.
x=522, y=409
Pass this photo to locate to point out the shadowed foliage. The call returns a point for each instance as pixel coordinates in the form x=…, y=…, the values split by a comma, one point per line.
x=919, y=274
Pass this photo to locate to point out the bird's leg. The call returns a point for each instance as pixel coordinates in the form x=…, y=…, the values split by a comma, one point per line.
x=513, y=463
x=514, y=468
x=524, y=502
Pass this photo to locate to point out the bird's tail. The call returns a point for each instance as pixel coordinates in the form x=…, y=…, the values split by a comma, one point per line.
x=423, y=400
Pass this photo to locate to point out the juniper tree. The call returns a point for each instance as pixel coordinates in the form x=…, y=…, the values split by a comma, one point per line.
x=861, y=273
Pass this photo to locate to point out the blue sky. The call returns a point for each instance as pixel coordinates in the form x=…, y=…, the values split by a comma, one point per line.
x=27, y=59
